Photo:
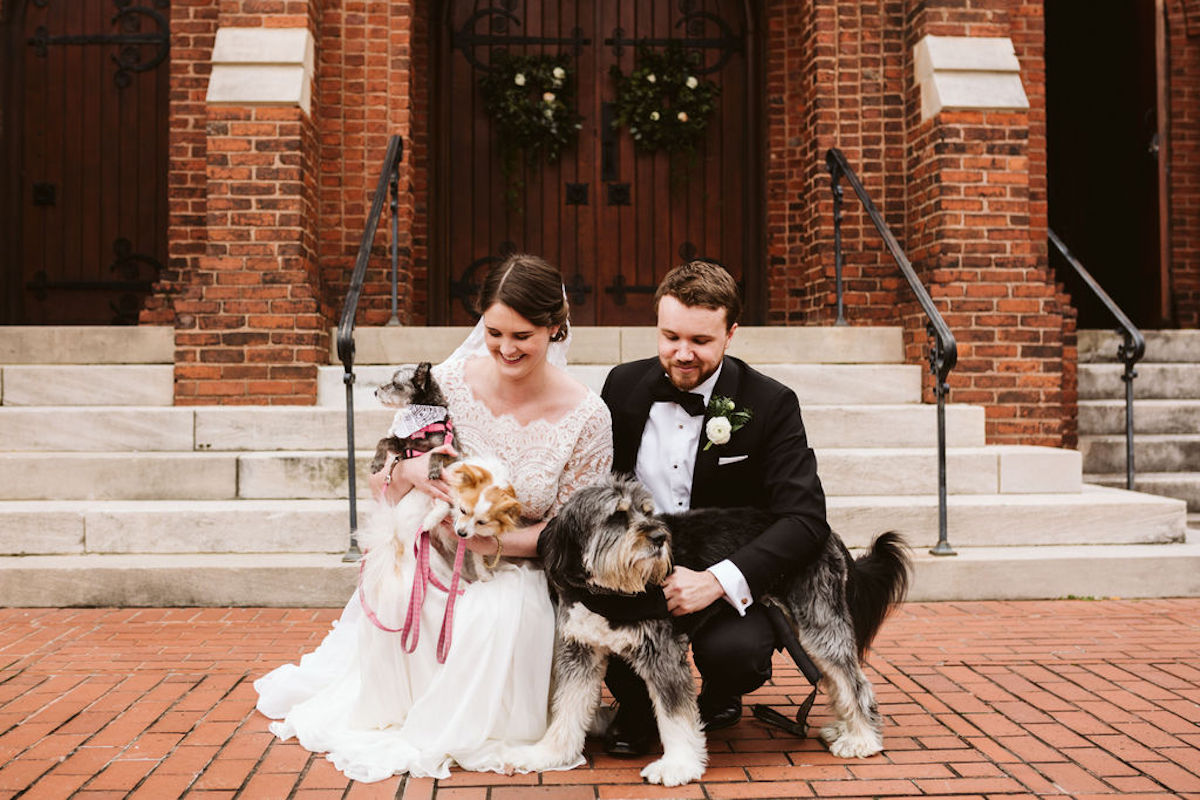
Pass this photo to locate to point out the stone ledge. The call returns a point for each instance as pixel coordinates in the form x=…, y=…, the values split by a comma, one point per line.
x=967, y=72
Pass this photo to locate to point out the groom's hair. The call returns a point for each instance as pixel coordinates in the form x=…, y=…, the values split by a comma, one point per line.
x=703, y=284
x=530, y=286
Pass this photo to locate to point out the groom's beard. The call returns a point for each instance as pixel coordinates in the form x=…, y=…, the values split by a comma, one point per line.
x=687, y=379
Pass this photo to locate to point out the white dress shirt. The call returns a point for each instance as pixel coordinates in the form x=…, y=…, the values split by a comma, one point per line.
x=666, y=463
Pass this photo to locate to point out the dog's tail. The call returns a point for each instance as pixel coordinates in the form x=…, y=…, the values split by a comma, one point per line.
x=878, y=581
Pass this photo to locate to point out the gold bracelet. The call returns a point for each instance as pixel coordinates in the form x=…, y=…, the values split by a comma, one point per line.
x=495, y=558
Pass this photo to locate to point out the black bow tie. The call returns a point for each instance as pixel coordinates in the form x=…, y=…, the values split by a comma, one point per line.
x=667, y=392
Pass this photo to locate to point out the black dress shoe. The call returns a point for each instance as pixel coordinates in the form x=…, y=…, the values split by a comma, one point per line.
x=719, y=711
x=629, y=735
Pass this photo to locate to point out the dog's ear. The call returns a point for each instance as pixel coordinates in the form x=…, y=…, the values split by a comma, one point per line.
x=423, y=376
x=562, y=548
x=466, y=476
x=505, y=508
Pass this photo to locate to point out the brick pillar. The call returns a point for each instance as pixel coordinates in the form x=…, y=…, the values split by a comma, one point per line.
x=977, y=213
x=251, y=326
x=1183, y=154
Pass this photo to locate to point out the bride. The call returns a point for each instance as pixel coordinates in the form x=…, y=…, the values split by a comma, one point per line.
x=510, y=399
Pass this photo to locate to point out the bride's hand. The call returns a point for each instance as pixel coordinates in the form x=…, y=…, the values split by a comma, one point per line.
x=414, y=473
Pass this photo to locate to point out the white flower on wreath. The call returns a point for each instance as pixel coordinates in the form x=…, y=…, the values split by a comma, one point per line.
x=682, y=116
x=548, y=112
x=519, y=79
x=724, y=418
x=548, y=97
x=691, y=82
x=650, y=78
x=654, y=116
x=559, y=73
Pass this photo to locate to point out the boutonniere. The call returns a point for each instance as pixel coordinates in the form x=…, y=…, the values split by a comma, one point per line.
x=723, y=419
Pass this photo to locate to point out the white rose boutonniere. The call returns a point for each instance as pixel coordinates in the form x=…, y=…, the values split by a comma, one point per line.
x=724, y=418
x=718, y=430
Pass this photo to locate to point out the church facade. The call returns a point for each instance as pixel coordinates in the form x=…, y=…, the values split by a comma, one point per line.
x=210, y=165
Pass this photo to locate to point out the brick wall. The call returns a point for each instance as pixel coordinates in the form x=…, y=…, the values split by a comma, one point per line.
x=1184, y=159
x=369, y=56
x=835, y=77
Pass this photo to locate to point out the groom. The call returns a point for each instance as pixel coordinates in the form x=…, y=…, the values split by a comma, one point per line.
x=662, y=434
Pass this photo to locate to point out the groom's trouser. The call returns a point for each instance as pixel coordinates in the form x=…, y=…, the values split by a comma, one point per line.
x=732, y=652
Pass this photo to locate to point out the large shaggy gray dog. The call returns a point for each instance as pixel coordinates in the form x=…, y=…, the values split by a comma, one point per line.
x=606, y=554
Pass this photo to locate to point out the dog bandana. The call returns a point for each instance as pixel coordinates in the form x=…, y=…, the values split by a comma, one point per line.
x=411, y=419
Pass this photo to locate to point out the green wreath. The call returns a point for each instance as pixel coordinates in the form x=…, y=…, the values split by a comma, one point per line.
x=664, y=102
x=532, y=105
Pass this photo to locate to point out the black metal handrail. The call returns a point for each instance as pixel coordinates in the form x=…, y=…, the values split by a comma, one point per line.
x=389, y=182
x=1130, y=351
x=943, y=350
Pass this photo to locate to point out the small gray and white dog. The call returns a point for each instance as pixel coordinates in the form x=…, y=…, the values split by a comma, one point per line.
x=606, y=553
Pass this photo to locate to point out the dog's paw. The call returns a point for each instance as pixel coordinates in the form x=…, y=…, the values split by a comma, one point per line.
x=832, y=732
x=673, y=772
x=851, y=746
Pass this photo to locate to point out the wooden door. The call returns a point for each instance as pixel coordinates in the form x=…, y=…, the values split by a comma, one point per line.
x=85, y=201
x=611, y=216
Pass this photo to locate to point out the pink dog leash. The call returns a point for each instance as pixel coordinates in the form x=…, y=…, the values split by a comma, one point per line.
x=421, y=578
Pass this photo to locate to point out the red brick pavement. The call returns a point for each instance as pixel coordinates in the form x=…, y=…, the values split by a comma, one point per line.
x=1032, y=699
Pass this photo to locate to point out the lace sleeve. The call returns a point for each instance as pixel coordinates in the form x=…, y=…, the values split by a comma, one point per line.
x=592, y=457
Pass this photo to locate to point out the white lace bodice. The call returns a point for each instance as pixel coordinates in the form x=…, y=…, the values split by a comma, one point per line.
x=547, y=460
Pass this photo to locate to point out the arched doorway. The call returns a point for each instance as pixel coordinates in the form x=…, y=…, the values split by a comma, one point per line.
x=613, y=217
x=83, y=209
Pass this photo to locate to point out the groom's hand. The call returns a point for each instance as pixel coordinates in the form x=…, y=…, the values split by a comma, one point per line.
x=688, y=591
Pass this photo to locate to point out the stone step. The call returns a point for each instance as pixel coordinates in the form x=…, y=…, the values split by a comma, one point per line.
x=56, y=527
x=1096, y=516
x=1149, y=416
x=597, y=345
x=317, y=580
x=1101, y=345
x=90, y=344
x=1162, y=381
x=1183, y=485
x=217, y=428
x=322, y=474
x=87, y=385
x=1152, y=452
x=826, y=384
x=1035, y=573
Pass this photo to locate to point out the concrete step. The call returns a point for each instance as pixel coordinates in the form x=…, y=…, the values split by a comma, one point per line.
x=1035, y=573
x=108, y=428
x=1096, y=516
x=1149, y=416
x=91, y=344
x=319, y=428
x=1183, y=485
x=308, y=580
x=844, y=384
x=1152, y=452
x=57, y=527
x=1101, y=345
x=322, y=474
x=87, y=385
x=595, y=345
x=1164, y=381
x=106, y=527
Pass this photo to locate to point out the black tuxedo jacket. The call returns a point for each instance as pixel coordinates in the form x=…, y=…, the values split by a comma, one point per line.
x=778, y=472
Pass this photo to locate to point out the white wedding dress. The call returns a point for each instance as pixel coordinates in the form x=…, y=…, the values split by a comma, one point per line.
x=493, y=690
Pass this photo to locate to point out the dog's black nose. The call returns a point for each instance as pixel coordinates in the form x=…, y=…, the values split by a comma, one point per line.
x=657, y=535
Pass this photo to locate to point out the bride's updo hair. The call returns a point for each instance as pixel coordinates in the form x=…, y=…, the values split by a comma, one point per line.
x=531, y=287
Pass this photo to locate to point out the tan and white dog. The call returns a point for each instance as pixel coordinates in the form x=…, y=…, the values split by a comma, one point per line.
x=484, y=503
